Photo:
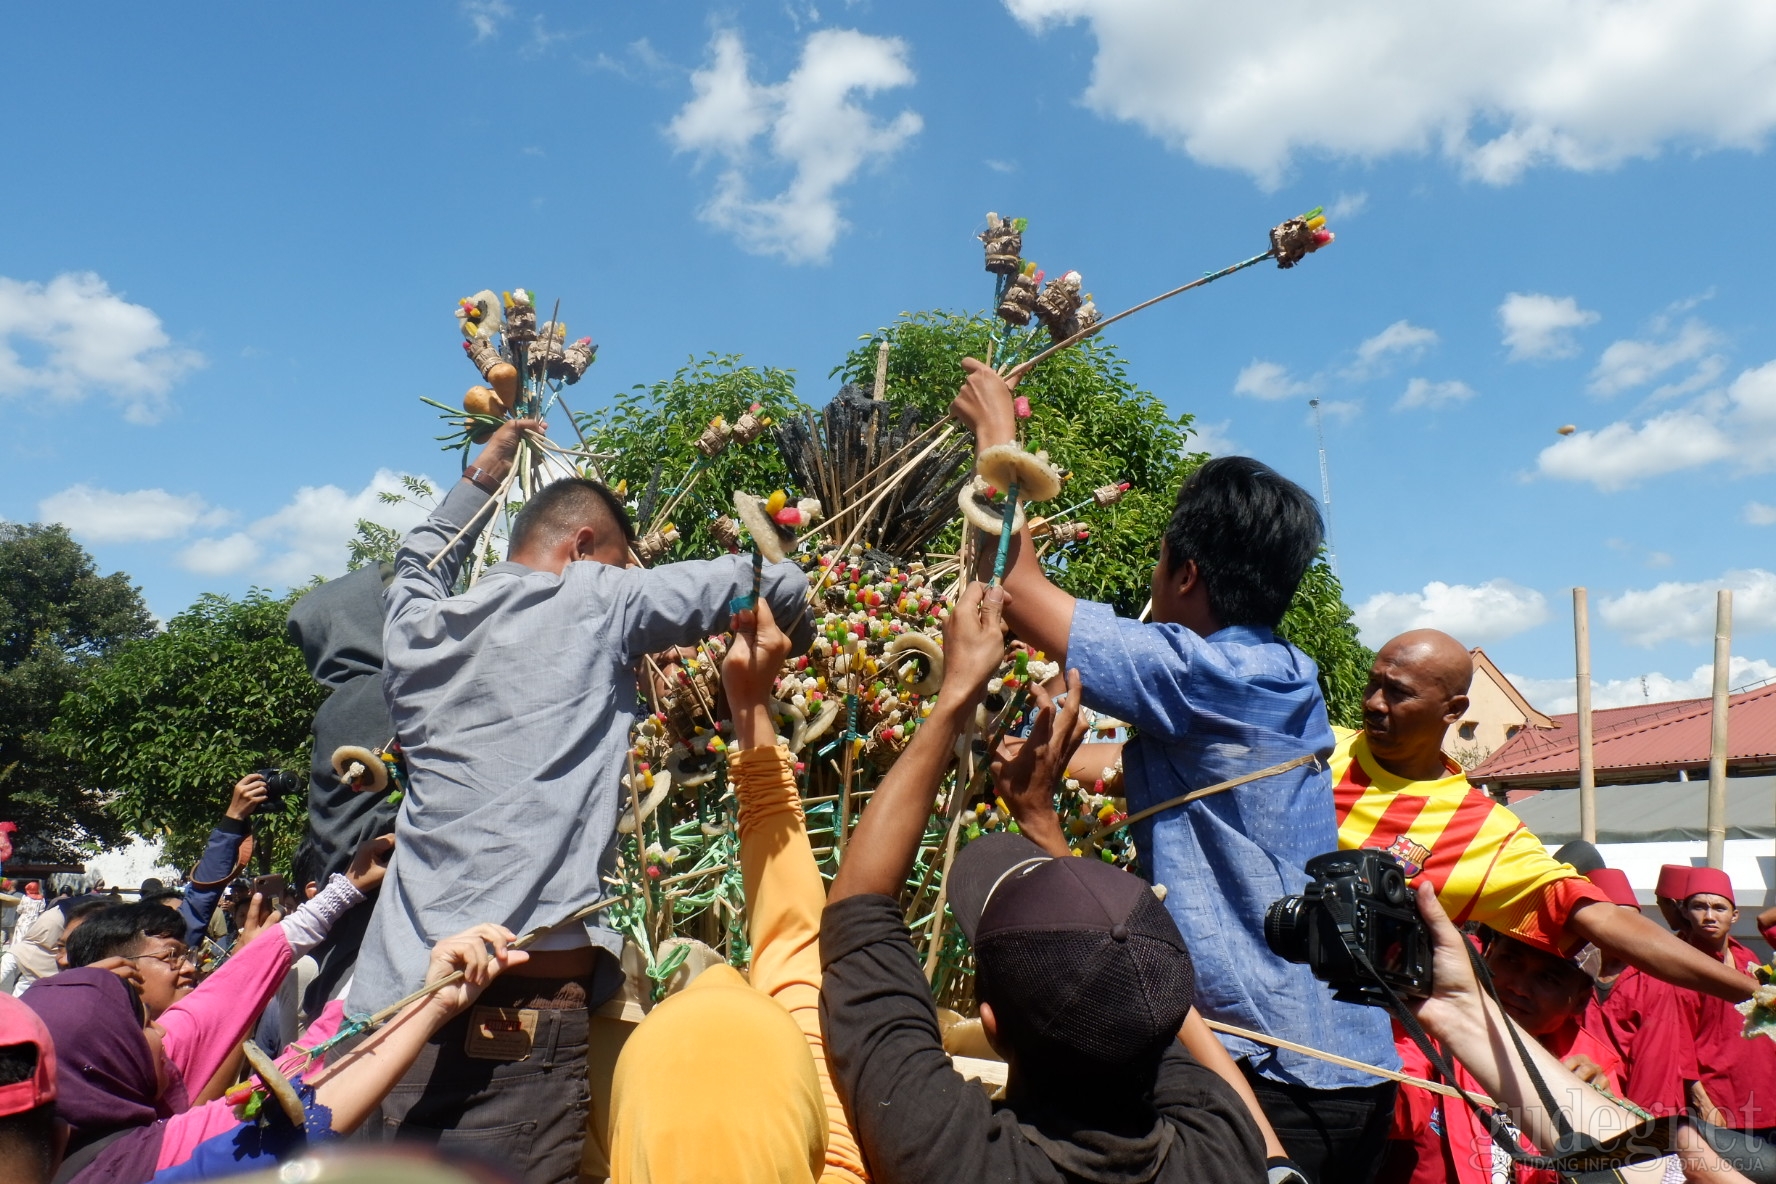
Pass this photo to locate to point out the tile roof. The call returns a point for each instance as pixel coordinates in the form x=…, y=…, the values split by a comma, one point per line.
x=1630, y=742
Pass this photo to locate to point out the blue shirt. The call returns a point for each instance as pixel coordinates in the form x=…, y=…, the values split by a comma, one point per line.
x=1204, y=711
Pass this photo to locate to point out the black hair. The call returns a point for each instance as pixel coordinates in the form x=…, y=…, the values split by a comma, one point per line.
x=83, y=906
x=566, y=505
x=152, y=885
x=307, y=867
x=118, y=930
x=1253, y=534
x=28, y=1137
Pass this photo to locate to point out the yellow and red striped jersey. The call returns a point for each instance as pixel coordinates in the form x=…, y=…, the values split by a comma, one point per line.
x=1484, y=863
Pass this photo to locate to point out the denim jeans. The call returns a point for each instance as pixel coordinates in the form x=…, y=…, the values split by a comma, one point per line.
x=1337, y=1136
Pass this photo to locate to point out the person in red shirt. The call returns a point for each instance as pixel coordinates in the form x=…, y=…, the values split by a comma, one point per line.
x=1738, y=1076
x=1545, y=994
x=1644, y=1019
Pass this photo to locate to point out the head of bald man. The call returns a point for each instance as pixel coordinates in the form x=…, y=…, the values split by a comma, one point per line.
x=1418, y=686
x=572, y=519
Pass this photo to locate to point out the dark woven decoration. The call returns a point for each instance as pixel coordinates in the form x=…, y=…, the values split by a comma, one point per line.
x=854, y=437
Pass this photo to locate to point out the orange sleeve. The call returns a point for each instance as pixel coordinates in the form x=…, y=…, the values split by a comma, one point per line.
x=1544, y=924
x=784, y=899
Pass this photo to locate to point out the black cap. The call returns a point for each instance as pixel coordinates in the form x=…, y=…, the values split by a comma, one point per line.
x=1584, y=858
x=1079, y=959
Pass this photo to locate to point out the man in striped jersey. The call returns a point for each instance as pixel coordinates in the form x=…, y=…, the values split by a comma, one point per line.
x=1395, y=790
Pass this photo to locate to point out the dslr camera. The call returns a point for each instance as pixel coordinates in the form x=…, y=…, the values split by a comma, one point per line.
x=279, y=784
x=1357, y=927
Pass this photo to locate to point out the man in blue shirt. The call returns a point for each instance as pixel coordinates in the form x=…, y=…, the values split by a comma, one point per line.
x=1212, y=694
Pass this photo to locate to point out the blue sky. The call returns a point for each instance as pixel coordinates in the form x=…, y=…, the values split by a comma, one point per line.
x=232, y=245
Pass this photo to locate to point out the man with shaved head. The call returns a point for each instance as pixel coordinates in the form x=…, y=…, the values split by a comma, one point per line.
x=513, y=700
x=1396, y=791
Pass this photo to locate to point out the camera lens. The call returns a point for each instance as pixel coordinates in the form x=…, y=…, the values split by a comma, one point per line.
x=1285, y=928
x=1393, y=886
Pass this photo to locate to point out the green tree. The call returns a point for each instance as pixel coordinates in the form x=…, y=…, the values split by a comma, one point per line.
x=1096, y=423
x=171, y=722
x=1320, y=623
x=650, y=433
x=59, y=621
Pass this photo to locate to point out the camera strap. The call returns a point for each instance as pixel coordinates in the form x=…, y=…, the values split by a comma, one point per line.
x=1574, y=1153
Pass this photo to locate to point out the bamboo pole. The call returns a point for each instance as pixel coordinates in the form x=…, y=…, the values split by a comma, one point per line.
x=1582, y=663
x=1717, y=737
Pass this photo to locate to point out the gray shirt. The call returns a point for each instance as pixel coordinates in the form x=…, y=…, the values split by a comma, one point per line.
x=514, y=702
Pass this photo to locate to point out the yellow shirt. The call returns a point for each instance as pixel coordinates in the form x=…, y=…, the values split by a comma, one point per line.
x=1484, y=863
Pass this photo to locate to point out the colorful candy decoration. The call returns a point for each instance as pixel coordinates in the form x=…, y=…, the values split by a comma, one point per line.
x=750, y=424
x=1004, y=241
x=655, y=543
x=1017, y=302
x=775, y=521
x=1297, y=238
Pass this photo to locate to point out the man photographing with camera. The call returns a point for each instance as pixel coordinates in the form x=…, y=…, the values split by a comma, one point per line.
x=1395, y=791
x=230, y=847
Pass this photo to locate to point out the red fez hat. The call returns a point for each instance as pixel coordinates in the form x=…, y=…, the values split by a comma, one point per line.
x=1614, y=882
x=1709, y=879
x=1674, y=879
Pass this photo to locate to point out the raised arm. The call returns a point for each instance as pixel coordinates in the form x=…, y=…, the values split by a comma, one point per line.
x=465, y=503
x=1037, y=611
x=784, y=891
x=880, y=855
x=211, y=875
x=683, y=603
x=1641, y=943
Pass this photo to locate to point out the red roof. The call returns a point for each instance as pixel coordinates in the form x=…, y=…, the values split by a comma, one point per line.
x=1628, y=743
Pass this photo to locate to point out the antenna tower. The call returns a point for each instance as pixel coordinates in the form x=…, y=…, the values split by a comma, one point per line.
x=1325, y=487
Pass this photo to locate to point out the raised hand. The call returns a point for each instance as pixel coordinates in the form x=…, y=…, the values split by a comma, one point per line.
x=370, y=863
x=481, y=953
x=249, y=795
x=1025, y=774
x=974, y=642
x=984, y=403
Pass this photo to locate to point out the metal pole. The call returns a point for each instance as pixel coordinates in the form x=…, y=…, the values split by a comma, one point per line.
x=1325, y=488
x=1587, y=772
x=1717, y=740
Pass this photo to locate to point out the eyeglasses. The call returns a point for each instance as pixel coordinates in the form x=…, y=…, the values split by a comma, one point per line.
x=170, y=958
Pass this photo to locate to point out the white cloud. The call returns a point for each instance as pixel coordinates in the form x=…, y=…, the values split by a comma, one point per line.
x=1758, y=514
x=1685, y=611
x=1557, y=696
x=1212, y=438
x=1342, y=411
x=1497, y=87
x=1473, y=614
x=1421, y=392
x=810, y=126
x=221, y=557
x=86, y=338
x=1400, y=339
x=1537, y=326
x=140, y=516
x=1630, y=363
x=306, y=537
x=1737, y=425
x=486, y=16
x=1347, y=205
x=1268, y=380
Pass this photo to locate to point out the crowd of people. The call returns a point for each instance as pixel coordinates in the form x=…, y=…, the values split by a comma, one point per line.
x=1148, y=1028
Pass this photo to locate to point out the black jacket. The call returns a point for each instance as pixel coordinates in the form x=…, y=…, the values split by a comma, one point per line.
x=917, y=1119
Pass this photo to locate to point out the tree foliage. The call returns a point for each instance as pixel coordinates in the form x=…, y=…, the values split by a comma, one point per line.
x=1086, y=413
x=1320, y=623
x=651, y=435
x=1088, y=416
x=59, y=619
x=1097, y=424
x=171, y=722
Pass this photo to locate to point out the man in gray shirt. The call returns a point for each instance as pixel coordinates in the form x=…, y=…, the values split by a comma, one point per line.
x=513, y=702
